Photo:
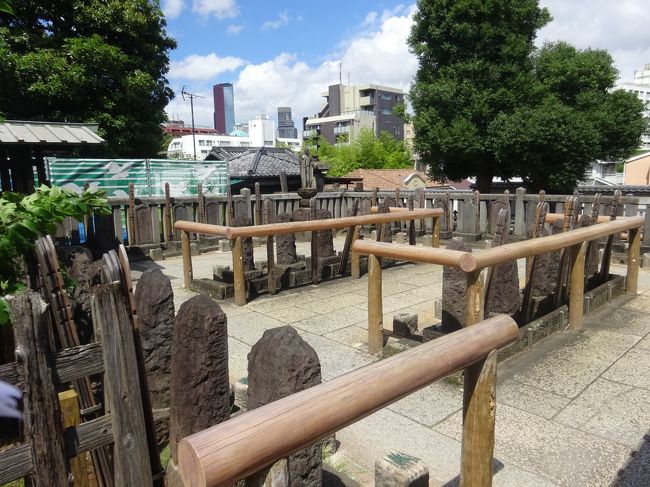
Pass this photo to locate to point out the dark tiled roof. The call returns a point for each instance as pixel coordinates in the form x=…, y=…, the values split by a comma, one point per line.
x=247, y=162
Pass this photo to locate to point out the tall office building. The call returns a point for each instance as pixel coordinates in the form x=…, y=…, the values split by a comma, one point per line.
x=224, y=107
x=286, y=129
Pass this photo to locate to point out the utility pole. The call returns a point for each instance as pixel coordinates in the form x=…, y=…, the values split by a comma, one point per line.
x=191, y=96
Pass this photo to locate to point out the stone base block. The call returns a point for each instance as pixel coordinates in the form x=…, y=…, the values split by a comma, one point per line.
x=240, y=389
x=396, y=345
x=402, y=238
x=225, y=245
x=405, y=324
x=194, y=249
x=401, y=470
x=156, y=254
x=468, y=237
x=427, y=240
x=645, y=261
x=432, y=332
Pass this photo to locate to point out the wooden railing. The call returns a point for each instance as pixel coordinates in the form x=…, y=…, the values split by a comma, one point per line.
x=472, y=263
x=232, y=450
x=237, y=234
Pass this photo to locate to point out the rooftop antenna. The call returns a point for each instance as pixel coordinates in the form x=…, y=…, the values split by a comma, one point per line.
x=191, y=96
x=340, y=68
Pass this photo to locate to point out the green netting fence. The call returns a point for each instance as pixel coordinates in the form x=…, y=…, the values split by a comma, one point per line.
x=147, y=175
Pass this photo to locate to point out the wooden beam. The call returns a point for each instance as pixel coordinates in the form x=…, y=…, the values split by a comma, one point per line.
x=633, y=255
x=188, y=274
x=238, y=272
x=72, y=417
x=232, y=450
x=355, y=263
x=577, y=285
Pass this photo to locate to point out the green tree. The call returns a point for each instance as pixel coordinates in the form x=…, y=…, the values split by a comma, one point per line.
x=486, y=103
x=365, y=152
x=98, y=61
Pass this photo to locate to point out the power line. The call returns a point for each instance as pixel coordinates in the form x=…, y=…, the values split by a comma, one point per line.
x=191, y=96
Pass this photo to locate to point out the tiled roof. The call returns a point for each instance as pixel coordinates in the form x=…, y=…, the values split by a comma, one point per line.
x=247, y=162
x=387, y=179
x=18, y=132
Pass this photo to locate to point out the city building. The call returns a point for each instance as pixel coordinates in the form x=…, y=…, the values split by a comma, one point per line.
x=641, y=88
x=177, y=128
x=286, y=128
x=261, y=133
x=392, y=179
x=224, y=107
x=348, y=109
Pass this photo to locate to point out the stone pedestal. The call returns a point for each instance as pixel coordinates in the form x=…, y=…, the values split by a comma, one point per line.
x=401, y=470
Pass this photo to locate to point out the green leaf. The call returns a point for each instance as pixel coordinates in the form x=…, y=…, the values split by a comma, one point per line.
x=5, y=311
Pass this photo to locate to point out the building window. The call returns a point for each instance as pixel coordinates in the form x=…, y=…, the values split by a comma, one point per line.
x=386, y=96
x=386, y=111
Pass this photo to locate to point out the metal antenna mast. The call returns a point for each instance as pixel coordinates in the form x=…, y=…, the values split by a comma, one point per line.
x=191, y=96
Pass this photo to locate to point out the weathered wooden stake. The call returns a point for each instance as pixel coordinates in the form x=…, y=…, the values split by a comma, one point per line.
x=169, y=228
x=284, y=186
x=238, y=271
x=435, y=233
x=258, y=205
x=355, y=263
x=132, y=230
x=188, y=274
x=633, y=254
x=375, y=307
x=42, y=418
x=479, y=392
x=577, y=285
x=113, y=324
x=349, y=237
x=71, y=416
x=315, y=270
x=270, y=248
x=411, y=222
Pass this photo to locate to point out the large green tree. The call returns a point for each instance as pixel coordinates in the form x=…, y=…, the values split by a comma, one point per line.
x=486, y=103
x=89, y=61
x=366, y=151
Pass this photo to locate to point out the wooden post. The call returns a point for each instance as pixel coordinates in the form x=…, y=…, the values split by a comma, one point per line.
x=229, y=207
x=169, y=228
x=349, y=239
x=71, y=415
x=132, y=231
x=201, y=206
x=315, y=270
x=238, y=271
x=188, y=274
x=42, y=418
x=284, y=186
x=633, y=254
x=479, y=412
x=113, y=324
x=375, y=307
x=479, y=392
x=258, y=205
x=435, y=233
x=411, y=222
x=577, y=286
x=270, y=249
x=355, y=263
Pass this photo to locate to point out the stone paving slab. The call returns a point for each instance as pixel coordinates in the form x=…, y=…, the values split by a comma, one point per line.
x=632, y=369
x=532, y=399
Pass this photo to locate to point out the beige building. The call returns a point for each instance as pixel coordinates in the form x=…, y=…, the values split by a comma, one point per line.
x=641, y=88
x=637, y=170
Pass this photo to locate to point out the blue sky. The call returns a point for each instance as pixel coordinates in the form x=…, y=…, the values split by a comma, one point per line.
x=287, y=53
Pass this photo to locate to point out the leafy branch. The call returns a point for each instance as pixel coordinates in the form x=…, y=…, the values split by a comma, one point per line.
x=23, y=219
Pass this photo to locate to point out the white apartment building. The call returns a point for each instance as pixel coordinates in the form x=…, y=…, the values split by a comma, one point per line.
x=261, y=133
x=641, y=88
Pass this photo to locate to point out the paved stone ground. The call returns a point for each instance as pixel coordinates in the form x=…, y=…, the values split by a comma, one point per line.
x=573, y=411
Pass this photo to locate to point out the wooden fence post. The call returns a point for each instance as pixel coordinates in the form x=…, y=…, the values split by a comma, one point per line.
x=375, y=307
x=270, y=248
x=355, y=260
x=167, y=215
x=577, y=285
x=42, y=415
x=520, y=217
x=238, y=272
x=633, y=254
x=112, y=321
x=188, y=274
x=72, y=417
x=479, y=405
x=435, y=233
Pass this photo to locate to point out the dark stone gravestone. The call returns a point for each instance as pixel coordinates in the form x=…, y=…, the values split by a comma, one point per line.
x=325, y=237
x=154, y=302
x=285, y=243
x=212, y=214
x=279, y=364
x=505, y=296
x=200, y=389
x=454, y=284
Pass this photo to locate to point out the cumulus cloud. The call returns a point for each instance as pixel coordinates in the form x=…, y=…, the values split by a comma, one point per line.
x=234, y=29
x=221, y=9
x=172, y=8
x=620, y=27
x=196, y=67
x=281, y=21
x=378, y=56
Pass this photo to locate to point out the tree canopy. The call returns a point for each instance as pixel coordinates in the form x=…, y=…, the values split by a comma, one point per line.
x=100, y=61
x=365, y=152
x=487, y=103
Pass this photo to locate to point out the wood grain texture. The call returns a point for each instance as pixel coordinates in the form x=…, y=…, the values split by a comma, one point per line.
x=222, y=454
x=577, y=285
x=188, y=274
x=238, y=271
x=633, y=255
x=375, y=307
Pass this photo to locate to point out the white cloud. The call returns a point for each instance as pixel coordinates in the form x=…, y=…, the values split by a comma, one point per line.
x=281, y=21
x=221, y=9
x=201, y=68
x=234, y=29
x=380, y=56
x=172, y=8
x=621, y=27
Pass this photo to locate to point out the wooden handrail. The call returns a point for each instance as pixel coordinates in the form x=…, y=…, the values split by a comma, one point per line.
x=243, y=445
x=470, y=262
x=429, y=255
x=553, y=217
x=396, y=209
x=304, y=226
